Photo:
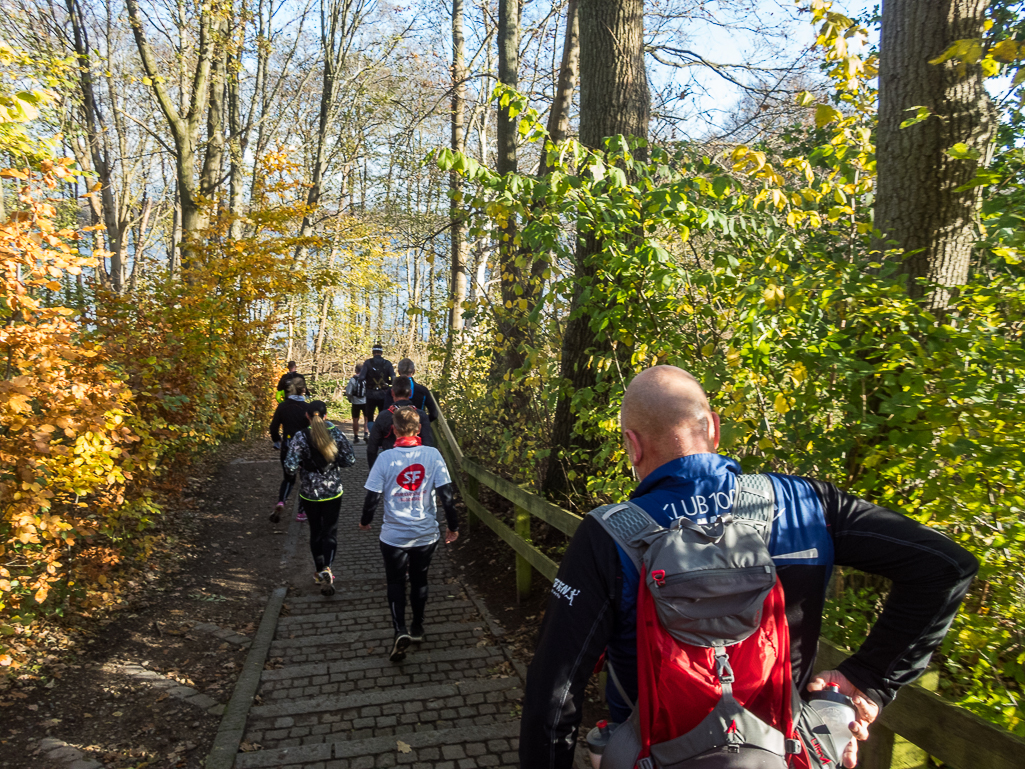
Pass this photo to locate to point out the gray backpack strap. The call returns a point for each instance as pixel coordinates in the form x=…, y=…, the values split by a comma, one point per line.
x=755, y=503
x=627, y=524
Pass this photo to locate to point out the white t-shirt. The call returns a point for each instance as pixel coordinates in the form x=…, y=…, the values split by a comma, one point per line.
x=407, y=477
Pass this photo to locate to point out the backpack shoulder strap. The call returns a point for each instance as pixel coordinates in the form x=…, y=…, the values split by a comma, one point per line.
x=756, y=502
x=627, y=524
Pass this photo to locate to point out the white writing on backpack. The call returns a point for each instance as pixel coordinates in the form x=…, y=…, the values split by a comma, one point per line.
x=702, y=509
x=562, y=590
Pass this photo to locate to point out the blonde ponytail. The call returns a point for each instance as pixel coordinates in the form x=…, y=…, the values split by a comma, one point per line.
x=322, y=438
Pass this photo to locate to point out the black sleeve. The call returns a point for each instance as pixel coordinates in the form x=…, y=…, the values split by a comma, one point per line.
x=362, y=375
x=578, y=623
x=369, y=506
x=374, y=441
x=283, y=381
x=426, y=433
x=447, y=495
x=930, y=575
x=275, y=424
x=389, y=372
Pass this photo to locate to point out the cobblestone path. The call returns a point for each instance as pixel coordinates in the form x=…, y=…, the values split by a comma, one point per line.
x=329, y=698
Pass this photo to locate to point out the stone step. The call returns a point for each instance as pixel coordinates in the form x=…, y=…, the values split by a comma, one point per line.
x=440, y=608
x=449, y=633
x=380, y=662
x=491, y=745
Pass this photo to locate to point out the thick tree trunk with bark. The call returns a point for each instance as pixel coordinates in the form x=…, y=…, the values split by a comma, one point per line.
x=614, y=99
x=917, y=204
x=510, y=315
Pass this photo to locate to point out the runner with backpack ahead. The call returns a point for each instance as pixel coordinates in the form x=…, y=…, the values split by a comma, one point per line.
x=356, y=392
x=706, y=594
x=378, y=374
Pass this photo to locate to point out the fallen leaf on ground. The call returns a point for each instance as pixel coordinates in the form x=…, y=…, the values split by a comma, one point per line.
x=403, y=747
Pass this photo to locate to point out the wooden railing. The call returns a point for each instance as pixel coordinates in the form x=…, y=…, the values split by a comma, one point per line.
x=918, y=724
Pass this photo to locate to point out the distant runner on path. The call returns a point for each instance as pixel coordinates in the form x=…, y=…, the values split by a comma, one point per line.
x=287, y=377
x=407, y=476
x=289, y=418
x=419, y=395
x=378, y=373
x=321, y=451
x=356, y=392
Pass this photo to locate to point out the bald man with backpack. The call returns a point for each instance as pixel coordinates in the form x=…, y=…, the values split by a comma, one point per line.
x=705, y=593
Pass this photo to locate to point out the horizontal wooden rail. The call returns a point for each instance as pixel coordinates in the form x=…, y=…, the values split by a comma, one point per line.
x=563, y=520
x=959, y=739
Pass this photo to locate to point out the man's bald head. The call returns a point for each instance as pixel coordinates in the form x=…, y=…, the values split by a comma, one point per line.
x=666, y=406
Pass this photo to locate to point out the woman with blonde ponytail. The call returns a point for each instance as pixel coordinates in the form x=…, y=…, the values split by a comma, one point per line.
x=321, y=451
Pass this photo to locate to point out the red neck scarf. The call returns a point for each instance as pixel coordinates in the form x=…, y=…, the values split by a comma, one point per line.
x=409, y=440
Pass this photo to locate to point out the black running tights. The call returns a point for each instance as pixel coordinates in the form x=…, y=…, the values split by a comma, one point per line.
x=323, y=518
x=397, y=560
x=289, y=480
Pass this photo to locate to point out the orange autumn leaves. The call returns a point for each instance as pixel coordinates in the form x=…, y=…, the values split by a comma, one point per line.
x=64, y=440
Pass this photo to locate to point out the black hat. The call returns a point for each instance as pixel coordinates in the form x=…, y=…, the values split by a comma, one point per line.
x=316, y=407
x=378, y=347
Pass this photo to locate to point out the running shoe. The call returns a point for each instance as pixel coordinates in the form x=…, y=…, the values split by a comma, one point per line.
x=276, y=515
x=365, y=437
x=398, y=649
x=301, y=516
x=416, y=633
x=326, y=580
x=355, y=439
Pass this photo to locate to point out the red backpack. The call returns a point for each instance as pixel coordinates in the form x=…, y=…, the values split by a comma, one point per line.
x=715, y=689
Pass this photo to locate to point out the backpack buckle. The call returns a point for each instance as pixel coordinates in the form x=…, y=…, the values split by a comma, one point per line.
x=660, y=577
x=723, y=669
x=645, y=763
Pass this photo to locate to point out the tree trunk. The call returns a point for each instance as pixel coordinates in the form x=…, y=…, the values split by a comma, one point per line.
x=917, y=205
x=458, y=236
x=184, y=128
x=558, y=118
x=114, y=226
x=511, y=280
x=614, y=99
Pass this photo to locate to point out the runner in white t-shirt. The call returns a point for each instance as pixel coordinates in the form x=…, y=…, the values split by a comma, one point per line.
x=407, y=477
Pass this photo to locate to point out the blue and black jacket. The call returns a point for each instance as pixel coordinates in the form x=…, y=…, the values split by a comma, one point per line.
x=593, y=602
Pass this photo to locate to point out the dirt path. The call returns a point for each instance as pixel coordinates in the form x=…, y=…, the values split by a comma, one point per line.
x=150, y=686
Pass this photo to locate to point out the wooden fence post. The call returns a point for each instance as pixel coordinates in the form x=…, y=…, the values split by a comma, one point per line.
x=524, y=574
x=472, y=490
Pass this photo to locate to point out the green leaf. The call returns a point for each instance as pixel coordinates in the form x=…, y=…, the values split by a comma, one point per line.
x=921, y=113
x=962, y=151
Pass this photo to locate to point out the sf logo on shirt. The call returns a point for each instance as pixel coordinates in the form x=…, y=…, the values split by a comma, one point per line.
x=411, y=478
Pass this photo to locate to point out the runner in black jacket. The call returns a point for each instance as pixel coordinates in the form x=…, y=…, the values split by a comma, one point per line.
x=379, y=374
x=670, y=435
x=419, y=395
x=287, y=377
x=289, y=419
x=382, y=436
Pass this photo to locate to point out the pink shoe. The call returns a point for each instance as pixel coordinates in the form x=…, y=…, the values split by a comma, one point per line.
x=300, y=516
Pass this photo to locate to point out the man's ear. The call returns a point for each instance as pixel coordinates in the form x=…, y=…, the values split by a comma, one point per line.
x=714, y=430
x=634, y=451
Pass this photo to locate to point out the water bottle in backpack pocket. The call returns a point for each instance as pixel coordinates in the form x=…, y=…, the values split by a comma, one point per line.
x=715, y=689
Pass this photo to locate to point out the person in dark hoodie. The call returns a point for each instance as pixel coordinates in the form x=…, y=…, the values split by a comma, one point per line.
x=382, y=434
x=419, y=395
x=321, y=450
x=289, y=419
